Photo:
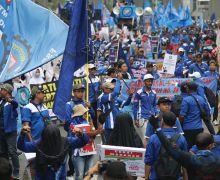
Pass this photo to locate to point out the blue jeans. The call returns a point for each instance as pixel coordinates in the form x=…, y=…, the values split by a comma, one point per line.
x=107, y=134
x=82, y=165
x=8, y=147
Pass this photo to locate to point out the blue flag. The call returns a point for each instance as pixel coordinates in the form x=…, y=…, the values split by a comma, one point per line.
x=213, y=18
x=147, y=3
x=187, y=18
x=30, y=36
x=74, y=56
x=171, y=16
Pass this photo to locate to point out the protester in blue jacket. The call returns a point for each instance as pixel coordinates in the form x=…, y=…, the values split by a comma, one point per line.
x=213, y=73
x=154, y=145
x=198, y=66
x=35, y=114
x=190, y=115
x=82, y=163
x=144, y=105
x=164, y=105
x=109, y=101
x=94, y=90
x=51, y=150
x=8, y=127
x=78, y=95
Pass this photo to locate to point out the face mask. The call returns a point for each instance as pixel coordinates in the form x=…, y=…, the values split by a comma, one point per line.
x=37, y=74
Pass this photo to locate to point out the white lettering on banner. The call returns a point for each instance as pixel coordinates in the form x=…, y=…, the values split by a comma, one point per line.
x=50, y=55
x=3, y=11
x=2, y=23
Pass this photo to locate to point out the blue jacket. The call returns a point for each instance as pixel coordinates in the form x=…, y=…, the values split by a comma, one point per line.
x=10, y=116
x=153, y=149
x=75, y=121
x=179, y=70
x=145, y=104
x=150, y=130
x=107, y=101
x=69, y=110
x=201, y=68
x=93, y=86
x=214, y=74
x=215, y=150
x=195, y=164
x=30, y=147
x=31, y=114
x=191, y=112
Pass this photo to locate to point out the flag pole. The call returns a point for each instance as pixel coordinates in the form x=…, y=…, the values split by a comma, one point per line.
x=87, y=59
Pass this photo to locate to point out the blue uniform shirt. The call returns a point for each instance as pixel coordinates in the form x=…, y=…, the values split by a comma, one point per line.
x=108, y=101
x=145, y=104
x=215, y=150
x=191, y=112
x=214, y=74
x=150, y=130
x=31, y=114
x=179, y=70
x=9, y=116
x=94, y=87
x=153, y=149
x=201, y=68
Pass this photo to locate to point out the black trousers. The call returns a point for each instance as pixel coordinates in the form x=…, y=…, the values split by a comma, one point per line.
x=94, y=120
x=190, y=136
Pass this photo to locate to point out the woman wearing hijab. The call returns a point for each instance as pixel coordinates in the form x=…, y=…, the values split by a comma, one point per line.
x=51, y=150
x=37, y=76
x=124, y=133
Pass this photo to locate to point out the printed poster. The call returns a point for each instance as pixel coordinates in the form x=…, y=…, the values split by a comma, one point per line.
x=169, y=64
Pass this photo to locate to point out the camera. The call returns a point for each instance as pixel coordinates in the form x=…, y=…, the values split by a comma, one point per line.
x=103, y=166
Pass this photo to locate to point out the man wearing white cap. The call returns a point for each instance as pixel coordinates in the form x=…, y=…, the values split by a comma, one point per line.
x=145, y=104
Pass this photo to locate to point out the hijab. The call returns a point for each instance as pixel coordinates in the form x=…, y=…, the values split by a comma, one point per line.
x=124, y=133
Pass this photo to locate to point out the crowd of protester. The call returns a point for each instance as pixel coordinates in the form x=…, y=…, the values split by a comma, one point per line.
x=155, y=123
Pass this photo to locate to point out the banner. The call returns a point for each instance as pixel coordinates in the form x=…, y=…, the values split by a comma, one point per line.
x=28, y=37
x=132, y=157
x=141, y=64
x=168, y=87
x=169, y=64
x=112, y=55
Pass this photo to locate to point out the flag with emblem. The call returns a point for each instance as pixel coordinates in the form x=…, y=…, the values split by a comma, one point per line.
x=30, y=36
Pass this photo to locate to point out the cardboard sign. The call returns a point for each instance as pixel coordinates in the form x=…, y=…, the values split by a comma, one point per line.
x=132, y=157
x=89, y=148
x=112, y=55
x=169, y=64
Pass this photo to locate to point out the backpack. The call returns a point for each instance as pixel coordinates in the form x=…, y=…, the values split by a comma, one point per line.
x=166, y=167
x=176, y=105
x=210, y=96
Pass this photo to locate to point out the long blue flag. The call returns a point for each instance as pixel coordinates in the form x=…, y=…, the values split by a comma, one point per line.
x=74, y=56
x=30, y=36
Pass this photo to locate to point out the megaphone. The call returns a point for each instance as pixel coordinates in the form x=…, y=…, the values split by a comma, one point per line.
x=139, y=11
x=116, y=10
x=148, y=10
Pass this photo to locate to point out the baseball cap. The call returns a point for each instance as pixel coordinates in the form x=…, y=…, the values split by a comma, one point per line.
x=198, y=54
x=79, y=110
x=195, y=75
x=7, y=87
x=163, y=100
x=78, y=86
x=148, y=76
x=36, y=89
x=108, y=85
x=91, y=66
x=181, y=49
